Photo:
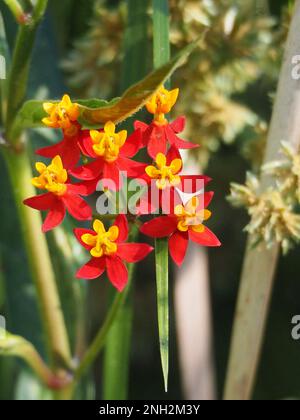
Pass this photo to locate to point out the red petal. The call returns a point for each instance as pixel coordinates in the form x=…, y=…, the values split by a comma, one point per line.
x=41, y=202
x=55, y=216
x=178, y=142
x=70, y=153
x=122, y=223
x=208, y=196
x=172, y=154
x=79, y=232
x=86, y=144
x=193, y=183
x=132, y=168
x=51, y=151
x=90, y=171
x=77, y=207
x=178, y=244
x=133, y=252
x=83, y=188
x=178, y=124
x=146, y=131
x=157, y=142
x=116, y=272
x=159, y=227
x=206, y=238
x=92, y=270
x=132, y=144
x=67, y=149
x=111, y=176
x=140, y=125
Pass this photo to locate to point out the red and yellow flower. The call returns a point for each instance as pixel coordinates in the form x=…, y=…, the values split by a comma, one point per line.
x=109, y=250
x=111, y=151
x=64, y=115
x=186, y=223
x=61, y=195
x=160, y=132
x=165, y=183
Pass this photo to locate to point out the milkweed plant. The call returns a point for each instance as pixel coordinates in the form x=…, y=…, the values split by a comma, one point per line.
x=135, y=175
x=118, y=175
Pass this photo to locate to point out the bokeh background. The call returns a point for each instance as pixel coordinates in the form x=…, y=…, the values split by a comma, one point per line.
x=226, y=93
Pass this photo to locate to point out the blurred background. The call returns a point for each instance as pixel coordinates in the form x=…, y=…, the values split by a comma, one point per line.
x=226, y=93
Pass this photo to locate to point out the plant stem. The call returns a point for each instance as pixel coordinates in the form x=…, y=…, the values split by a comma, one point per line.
x=260, y=263
x=161, y=54
x=4, y=51
x=71, y=292
x=19, y=168
x=16, y=9
x=161, y=43
x=18, y=75
x=99, y=341
x=117, y=352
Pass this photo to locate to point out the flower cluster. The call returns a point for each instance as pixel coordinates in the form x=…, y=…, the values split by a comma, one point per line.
x=273, y=211
x=83, y=159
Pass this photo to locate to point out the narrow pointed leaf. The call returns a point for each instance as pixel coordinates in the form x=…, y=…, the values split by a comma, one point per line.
x=162, y=286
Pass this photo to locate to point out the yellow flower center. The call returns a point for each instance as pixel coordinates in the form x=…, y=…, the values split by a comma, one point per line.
x=62, y=115
x=103, y=242
x=107, y=144
x=166, y=176
x=161, y=103
x=189, y=218
x=52, y=178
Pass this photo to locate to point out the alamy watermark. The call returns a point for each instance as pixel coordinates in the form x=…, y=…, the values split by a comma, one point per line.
x=296, y=329
x=2, y=67
x=138, y=197
x=2, y=327
x=296, y=67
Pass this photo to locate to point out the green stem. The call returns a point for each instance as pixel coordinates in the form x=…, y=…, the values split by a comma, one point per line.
x=13, y=345
x=29, y=354
x=161, y=54
x=161, y=30
x=18, y=75
x=16, y=9
x=117, y=352
x=99, y=341
x=19, y=168
x=72, y=292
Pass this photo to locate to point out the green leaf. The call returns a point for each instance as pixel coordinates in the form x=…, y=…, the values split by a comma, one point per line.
x=13, y=345
x=162, y=286
x=96, y=111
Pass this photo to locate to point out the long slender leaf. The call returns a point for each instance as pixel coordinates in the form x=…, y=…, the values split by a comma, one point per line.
x=162, y=285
